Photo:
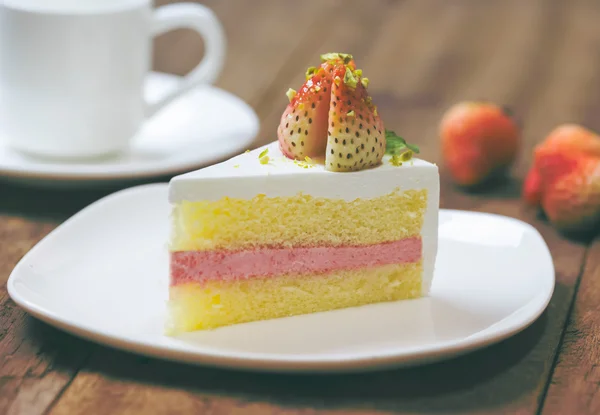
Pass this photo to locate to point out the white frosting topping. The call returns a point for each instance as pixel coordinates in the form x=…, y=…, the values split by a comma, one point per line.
x=244, y=177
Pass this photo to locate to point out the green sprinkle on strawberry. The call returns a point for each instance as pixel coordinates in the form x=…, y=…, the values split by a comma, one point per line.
x=333, y=117
x=354, y=142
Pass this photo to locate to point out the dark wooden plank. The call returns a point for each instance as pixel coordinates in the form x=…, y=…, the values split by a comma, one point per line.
x=37, y=362
x=421, y=57
x=575, y=385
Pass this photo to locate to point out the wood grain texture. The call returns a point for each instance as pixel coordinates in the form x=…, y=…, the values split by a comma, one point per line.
x=575, y=385
x=37, y=362
x=538, y=57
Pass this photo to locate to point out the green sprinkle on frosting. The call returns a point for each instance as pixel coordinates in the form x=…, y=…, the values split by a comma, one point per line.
x=263, y=158
x=396, y=160
x=400, y=150
x=365, y=82
x=307, y=163
x=407, y=155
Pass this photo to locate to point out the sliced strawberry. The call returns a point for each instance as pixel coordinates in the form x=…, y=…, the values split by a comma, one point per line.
x=332, y=118
x=356, y=135
x=303, y=125
x=302, y=129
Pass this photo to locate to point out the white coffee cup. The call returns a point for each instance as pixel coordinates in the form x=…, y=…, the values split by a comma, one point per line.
x=72, y=72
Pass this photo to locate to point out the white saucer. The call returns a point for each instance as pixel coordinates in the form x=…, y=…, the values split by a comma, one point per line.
x=204, y=126
x=102, y=275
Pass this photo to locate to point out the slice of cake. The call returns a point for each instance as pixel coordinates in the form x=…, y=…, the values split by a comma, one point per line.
x=336, y=213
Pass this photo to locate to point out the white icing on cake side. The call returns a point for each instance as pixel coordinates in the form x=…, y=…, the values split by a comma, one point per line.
x=244, y=177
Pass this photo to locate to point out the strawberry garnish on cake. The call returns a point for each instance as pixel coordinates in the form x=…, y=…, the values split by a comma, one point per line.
x=332, y=118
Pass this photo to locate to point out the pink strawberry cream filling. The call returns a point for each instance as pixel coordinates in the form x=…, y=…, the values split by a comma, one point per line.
x=225, y=265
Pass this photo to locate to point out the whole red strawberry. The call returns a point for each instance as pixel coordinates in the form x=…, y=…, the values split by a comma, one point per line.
x=564, y=179
x=572, y=139
x=572, y=200
x=479, y=141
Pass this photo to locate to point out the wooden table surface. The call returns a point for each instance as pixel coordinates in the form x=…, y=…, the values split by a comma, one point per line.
x=541, y=58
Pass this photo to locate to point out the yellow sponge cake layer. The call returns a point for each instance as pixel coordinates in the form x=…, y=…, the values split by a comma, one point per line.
x=230, y=223
x=213, y=304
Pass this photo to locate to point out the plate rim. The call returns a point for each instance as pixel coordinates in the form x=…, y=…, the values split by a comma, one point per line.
x=270, y=362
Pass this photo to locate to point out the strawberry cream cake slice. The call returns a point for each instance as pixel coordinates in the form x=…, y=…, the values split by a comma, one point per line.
x=336, y=213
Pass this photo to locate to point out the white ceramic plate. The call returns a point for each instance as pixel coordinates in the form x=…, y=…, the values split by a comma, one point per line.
x=102, y=275
x=202, y=127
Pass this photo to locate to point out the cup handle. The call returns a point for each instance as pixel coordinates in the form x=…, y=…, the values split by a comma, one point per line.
x=201, y=19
